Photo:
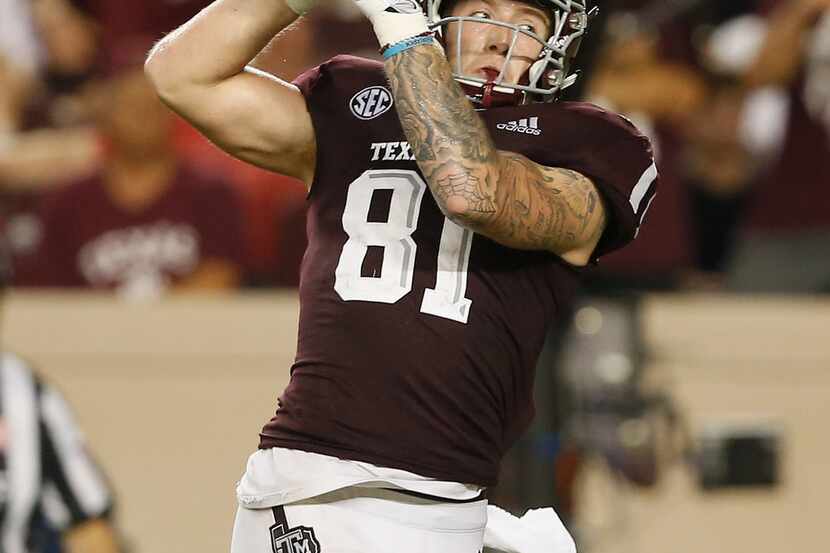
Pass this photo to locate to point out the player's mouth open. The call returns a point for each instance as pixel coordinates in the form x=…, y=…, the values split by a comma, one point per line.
x=490, y=74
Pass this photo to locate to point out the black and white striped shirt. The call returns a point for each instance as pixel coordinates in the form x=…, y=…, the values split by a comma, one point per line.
x=46, y=472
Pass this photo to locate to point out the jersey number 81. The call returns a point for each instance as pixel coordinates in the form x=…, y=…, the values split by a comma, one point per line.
x=446, y=299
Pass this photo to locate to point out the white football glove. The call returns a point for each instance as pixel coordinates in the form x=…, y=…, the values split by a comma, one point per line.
x=394, y=20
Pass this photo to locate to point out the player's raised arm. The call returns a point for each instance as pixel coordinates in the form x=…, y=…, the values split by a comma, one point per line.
x=200, y=71
x=502, y=195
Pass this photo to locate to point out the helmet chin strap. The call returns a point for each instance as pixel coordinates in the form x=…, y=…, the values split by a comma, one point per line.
x=490, y=95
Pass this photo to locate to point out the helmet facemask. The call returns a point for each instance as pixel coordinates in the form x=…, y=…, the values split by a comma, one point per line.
x=547, y=76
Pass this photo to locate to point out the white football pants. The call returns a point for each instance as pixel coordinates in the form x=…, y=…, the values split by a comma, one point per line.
x=362, y=520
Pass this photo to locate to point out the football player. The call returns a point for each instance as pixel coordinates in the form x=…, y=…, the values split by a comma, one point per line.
x=453, y=203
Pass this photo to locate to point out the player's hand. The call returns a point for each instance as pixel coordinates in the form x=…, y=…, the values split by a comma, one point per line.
x=394, y=20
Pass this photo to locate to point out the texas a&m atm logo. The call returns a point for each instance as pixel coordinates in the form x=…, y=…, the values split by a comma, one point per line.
x=371, y=102
x=293, y=540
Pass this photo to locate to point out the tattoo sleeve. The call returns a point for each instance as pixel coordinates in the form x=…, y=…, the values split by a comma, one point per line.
x=502, y=195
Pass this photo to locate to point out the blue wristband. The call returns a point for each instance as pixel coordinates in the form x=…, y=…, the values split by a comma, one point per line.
x=406, y=44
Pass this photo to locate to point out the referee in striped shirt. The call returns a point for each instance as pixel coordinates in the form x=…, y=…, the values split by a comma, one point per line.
x=53, y=497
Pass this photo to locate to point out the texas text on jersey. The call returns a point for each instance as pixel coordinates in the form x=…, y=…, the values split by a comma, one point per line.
x=418, y=339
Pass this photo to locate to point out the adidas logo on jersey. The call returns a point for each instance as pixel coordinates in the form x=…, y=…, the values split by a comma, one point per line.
x=524, y=126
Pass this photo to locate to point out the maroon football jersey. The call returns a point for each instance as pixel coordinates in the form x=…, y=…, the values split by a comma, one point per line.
x=418, y=339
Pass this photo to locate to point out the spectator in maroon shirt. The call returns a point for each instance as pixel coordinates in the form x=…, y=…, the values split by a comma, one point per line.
x=786, y=240
x=145, y=223
x=53, y=139
x=634, y=76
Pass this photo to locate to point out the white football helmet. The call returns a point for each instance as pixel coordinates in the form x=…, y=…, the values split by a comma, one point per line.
x=548, y=75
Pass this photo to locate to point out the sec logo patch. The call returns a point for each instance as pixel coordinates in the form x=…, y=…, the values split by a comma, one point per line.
x=371, y=102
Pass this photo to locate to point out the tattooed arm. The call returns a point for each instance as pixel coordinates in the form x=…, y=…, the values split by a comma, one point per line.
x=502, y=195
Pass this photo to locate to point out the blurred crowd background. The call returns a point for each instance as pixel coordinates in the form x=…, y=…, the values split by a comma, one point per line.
x=101, y=187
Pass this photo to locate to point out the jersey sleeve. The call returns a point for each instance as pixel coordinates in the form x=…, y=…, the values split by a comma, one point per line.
x=74, y=488
x=308, y=80
x=327, y=81
x=619, y=160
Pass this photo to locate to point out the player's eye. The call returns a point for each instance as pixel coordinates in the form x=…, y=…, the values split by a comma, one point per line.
x=480, y=14
x=527, y=27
